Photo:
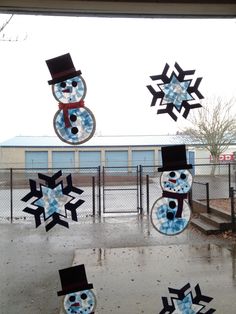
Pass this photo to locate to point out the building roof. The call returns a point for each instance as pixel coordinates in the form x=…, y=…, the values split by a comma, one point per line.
x=101, y=141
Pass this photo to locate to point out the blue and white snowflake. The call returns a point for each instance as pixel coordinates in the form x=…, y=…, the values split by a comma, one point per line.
x=175, y=91
x=185, y=302
x=53, y=200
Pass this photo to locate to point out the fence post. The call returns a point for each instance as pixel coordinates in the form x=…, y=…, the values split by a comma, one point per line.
x=229, y=174
x=231, y=192
x=141, y=189
x=190, y=197
x=147, y=185
x=207, y=197
x=99, y=191
x=11, y=195
x=93, y=193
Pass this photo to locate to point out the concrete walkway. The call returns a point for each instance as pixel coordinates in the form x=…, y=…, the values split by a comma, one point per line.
x=129, y=263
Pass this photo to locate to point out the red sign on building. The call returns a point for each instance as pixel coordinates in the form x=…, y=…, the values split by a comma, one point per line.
x=225, y=157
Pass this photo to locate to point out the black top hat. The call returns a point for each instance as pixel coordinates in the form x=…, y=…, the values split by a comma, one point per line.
x=73, y=279
x=174, y=158
x=61, y=69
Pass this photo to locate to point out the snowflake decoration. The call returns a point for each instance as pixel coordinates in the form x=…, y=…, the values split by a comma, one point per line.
x=53, y=200
x=175, y=91
x=185, y=303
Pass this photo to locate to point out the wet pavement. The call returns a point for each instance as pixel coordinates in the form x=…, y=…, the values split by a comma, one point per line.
x=129, y=263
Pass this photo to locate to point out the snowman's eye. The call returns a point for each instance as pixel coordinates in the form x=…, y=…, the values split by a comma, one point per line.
x=63, y=84
x=72, y=298
x=74, y=83
x=172, y=174
x=183, y=176
x=83, y=296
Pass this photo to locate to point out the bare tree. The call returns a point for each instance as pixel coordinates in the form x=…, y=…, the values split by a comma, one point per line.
x=3, y=36
x=2, y=28
x=214, y=125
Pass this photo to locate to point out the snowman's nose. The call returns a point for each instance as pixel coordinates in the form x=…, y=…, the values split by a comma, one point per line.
x=75, y=304
x=67, y=90
x=172, y=180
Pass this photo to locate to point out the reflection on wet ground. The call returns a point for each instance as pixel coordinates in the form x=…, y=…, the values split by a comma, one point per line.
x=130, y=264
x=133, y=280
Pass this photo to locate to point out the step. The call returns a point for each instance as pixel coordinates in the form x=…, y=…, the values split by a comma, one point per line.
x=205, y=227
x=220, y=212
x=216, y=220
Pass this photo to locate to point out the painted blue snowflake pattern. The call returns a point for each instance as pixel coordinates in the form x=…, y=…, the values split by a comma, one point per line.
x=53, y=200
x=170, y=226
x=81, y=302
x=186, y=305
x=84, y=123
x=185, y=302
x=175, y=91
x=70, y=90
x=178, y=181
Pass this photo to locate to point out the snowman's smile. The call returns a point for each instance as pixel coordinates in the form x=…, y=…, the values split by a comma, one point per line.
x=66, y=90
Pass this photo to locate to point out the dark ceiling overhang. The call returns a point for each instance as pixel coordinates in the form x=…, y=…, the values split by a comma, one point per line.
x=161, y=8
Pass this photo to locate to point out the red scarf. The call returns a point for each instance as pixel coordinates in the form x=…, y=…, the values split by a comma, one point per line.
x=66, y=107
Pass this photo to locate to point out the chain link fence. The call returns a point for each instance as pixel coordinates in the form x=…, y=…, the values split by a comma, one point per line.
x=6, y=197
x=15, y=184
x=121, y=189
x=112, y=189
x=205, y=186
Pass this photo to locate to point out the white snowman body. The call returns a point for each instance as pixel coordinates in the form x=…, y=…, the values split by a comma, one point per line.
x=168, y=216
x=73, y=122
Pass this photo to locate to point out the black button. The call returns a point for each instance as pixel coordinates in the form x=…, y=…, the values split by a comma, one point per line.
x=172, y=204
x=170, y=215
x=74, y=130
x=73, y=117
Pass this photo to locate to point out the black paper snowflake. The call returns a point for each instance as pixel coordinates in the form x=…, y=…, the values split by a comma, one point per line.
x=185, y=303
x=53, y=200
x=175, y=91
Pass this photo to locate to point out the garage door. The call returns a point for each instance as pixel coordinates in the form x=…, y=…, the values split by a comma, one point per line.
x=116, y=159
x=63, y=160
x=89, y=159
x=143, y=157
x=36, y=159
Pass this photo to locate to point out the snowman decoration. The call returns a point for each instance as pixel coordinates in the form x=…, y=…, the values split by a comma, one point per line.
x=79, y=297
x=73, y=122
x=170, y=214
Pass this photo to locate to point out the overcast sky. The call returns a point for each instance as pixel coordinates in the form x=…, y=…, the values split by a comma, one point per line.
x=116, y=57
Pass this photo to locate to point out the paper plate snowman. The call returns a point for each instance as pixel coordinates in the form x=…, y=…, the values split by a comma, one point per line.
x=170, y=214
x=73, y=122
x=79, y=296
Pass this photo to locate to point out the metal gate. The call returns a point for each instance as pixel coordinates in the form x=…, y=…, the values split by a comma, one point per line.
x=121, y=190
